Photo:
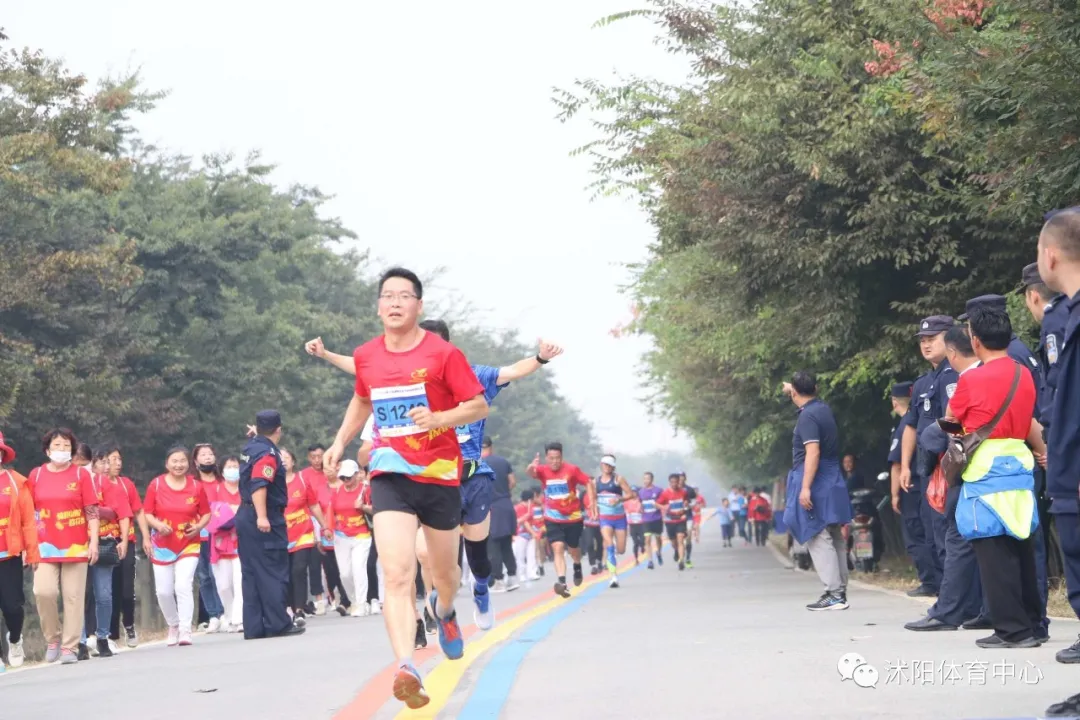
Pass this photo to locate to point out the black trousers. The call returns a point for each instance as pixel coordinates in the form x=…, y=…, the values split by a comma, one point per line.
x=334, y=586
x=303, y=565
x=592, y=542
x=501, y=551
x=373, y=572
x=123, y=592
x=1007, y=569
x=12, y=598
x=637, y=535
x=264, y=571
x=761, y=532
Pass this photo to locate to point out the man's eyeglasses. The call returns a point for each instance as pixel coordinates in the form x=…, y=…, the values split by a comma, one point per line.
x=401, y=297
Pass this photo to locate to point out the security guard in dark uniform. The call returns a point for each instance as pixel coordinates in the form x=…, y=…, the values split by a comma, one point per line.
x=929, y=397
x=906, y=502
x=1020, y=353
x=260, y=527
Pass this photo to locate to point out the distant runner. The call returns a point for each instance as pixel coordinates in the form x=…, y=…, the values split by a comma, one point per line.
x=562, y=510
x=651, y=518
x=674, y=504
x=637, y=527
x=611, y=491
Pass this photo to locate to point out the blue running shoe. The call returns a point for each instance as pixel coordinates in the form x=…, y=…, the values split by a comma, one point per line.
x=409, y=688
x=450, y=639
x=482, y=614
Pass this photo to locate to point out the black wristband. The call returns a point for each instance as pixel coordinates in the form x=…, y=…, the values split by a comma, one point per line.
x=541, y=360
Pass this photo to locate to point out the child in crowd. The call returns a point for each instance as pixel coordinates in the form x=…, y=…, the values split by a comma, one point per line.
x=726, y=521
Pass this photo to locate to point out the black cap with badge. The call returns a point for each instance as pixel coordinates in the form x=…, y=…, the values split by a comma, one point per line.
x=902, y=389
x=1031, y=276
x=267, y=421
x=986, y=301
x=934, y=325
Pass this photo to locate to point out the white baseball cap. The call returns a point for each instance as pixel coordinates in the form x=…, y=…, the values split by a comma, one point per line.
x=347, y=469
x=608, y=460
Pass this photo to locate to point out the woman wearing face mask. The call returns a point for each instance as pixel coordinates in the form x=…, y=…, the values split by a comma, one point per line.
x=205, y=470
x=18, y=547
x=225, y=546
x=352, y=535
x=303, y=506
x=176, y=510
x=114, y=513
x=68, y=531
x=123, y=582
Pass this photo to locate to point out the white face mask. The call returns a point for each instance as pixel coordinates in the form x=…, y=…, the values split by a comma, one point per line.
x=60, y=456
x=231, y=474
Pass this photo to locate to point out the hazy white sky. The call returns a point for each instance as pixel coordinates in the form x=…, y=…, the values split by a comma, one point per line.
x=431, y=124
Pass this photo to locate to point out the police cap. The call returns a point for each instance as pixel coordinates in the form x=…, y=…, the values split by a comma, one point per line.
x=267, y=421
x=986, y=301
x=934, y=325
x=902, y=389
x=1031, y=276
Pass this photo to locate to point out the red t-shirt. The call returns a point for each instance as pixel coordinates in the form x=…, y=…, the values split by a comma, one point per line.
x=318, y=480
x=561, y=503
x=302, y=496
x=9, y=496
x=434, y=374
x=523, y=511
x=111, y=494
x=177, y=509
x=981, y=392
x=675, y=500
x=133, y=502
x=60, y=499
x=348, y=520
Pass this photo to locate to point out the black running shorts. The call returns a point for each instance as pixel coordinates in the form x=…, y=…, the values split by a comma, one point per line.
x=569, y=533
x=674, y=529
x=436, y=506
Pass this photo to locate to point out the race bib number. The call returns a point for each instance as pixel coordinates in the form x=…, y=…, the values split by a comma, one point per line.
x=557, y=490
x=390, y=407
x=463, y=434
x=648, y=506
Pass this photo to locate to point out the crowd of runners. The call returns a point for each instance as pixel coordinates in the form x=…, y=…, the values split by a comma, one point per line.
x=397, y=531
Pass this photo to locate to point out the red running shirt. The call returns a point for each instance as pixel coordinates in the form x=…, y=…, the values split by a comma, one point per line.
x=434, y=374
x=178, y=509
x=301, y=530
x=60, y=499
x=348, y=520
x=111, y=494
x=561, y=503
x=676, y=504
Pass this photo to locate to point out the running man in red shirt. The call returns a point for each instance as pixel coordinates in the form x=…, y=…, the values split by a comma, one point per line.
x=559, y=482
x=419, y=388
x=673, y=502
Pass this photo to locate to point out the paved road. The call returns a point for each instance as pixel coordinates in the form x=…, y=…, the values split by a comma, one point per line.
x=729, y=638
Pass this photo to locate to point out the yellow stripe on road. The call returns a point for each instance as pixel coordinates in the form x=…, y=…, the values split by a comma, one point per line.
x=444, y=679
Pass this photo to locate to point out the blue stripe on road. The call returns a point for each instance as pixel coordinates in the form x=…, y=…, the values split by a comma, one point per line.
x=492, y=688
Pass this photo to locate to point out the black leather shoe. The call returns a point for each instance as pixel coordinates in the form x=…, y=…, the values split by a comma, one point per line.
x=1070, y=655
x=291, y=630
x=978, y=623
x=993, y=641
x=928, y=624
x=922, y=591
x=1069, y=707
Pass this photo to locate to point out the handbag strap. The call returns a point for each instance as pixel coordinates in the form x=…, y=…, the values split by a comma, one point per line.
x=984, y=432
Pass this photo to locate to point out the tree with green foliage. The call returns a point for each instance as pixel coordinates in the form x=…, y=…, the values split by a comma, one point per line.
x=808, y=211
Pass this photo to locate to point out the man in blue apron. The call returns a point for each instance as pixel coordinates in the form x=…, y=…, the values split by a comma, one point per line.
x=260, y=527
x=818, y=505
x=906, y=503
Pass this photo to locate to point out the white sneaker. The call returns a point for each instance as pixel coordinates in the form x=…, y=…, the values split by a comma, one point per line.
x=225, y=627
x=214, y=626
x=173, y=637
x=376, y=607
x=16, y=656
x=185, y=638
x=361, y=610
x=512, y=583
x=113, y=646
x=499, y=586
x=320, y=607
x=239, y=628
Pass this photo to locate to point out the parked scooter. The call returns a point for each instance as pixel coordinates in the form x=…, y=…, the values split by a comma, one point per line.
x=866, y=539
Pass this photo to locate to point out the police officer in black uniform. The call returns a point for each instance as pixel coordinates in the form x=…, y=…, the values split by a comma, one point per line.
x=929, y=398
x=906, y=503
x=260, y=526
x=1020, y=353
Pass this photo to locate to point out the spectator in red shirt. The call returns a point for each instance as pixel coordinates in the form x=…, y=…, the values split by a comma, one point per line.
x=996, y=509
